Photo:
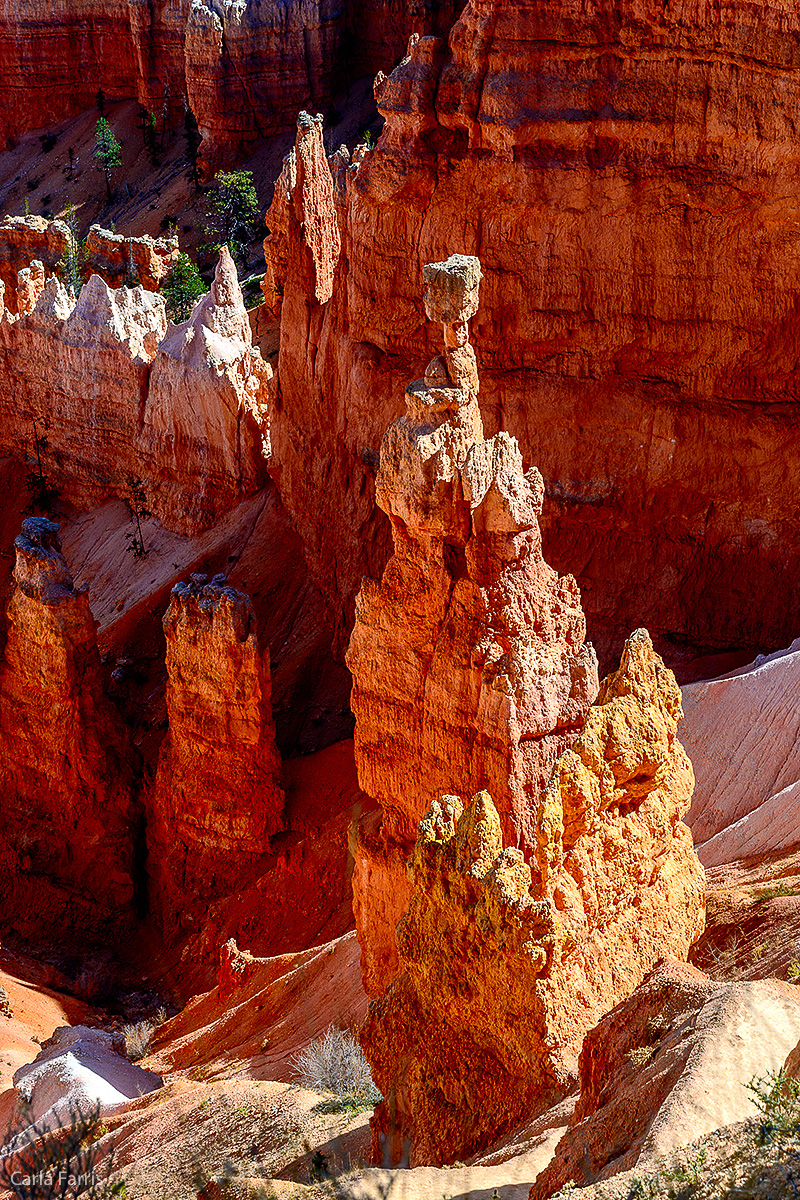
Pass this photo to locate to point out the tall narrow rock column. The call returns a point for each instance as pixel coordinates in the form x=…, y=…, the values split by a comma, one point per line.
x=468, y=658
x=217, y=799
x=67, y=829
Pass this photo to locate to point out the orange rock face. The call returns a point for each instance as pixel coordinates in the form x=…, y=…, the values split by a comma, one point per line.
x=115, y=258
x=217, y=798
x=186, y=412
x=53, y=62
x=594, y=159
x=506, y=964
x=244, y=72
x=468, y=658
x=119, y=259
x=67, y=824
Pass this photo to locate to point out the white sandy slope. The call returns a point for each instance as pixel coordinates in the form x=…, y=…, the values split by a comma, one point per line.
x=742, y=733
x=79, y=1066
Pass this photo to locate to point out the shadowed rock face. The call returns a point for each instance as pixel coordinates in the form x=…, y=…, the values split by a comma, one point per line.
x=67, y=827
x=506, y=964
x=244, y=69
x=638, y=310
x=468, y=657
x=217, y=798
x=122, y=395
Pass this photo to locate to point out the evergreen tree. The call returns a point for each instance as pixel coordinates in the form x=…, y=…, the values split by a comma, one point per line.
x=132, y=279
x=182, y=287
x=232, y=213
x=107, y=152
x=70, y=269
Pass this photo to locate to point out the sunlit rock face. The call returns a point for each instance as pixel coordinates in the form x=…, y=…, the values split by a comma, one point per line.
x=122, y=395
x=505, y=965
x=468, y=657
x=216, y=799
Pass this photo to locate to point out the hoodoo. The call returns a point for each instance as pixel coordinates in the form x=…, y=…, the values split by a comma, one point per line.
x=506, y=964
x=67, y=828
x=469, y=664
x=217, y=797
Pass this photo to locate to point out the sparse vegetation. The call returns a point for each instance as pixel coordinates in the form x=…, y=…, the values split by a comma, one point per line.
x=137, y=502
x=232, y=213
x=780, y=889
x=182, y=287
x=139, y=1036
x=191, y=133
x=43, y=494
x=776, y=1095
x=70, y=269
x=722, y=962
x=335, y=1063
x=41, y=1161
x=107, y=152
x=149, y=128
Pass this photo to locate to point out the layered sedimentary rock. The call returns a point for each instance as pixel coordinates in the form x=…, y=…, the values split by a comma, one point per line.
x=638, y=314
x=243, y=69
x=506, y=964
x=67, y=822
x=24, y=240
x=468, y=657
x=114, y=257
x=216, y=799
x=119, y=259
x=53, y=62
x=187, y=412
x=206, y=416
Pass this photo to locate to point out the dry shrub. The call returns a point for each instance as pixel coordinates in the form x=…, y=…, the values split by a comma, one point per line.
x=335, y=1063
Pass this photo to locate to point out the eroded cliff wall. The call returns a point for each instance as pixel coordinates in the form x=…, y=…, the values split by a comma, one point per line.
x=244, y=70
x=121, y=396
x=625, y=174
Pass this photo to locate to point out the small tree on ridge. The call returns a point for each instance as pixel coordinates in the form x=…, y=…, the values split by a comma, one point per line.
x=107, y=152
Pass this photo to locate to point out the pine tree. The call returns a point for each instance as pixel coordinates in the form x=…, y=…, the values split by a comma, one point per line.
x=107, y=151
x=232, y=213
x=70, y=269
x=182, y=287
